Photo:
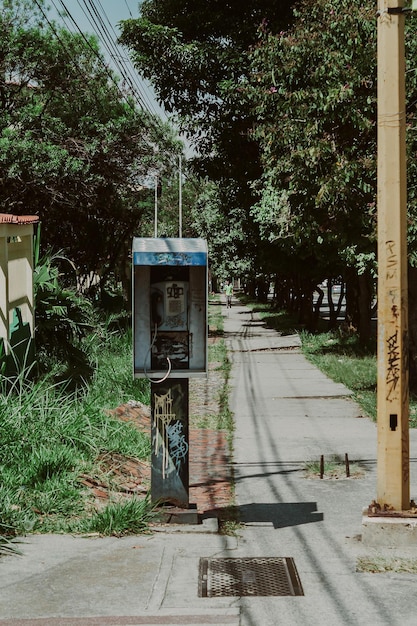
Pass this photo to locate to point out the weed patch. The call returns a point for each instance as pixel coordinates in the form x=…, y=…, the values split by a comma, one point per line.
x=122, y=518
x=333, y=469
x=382, y=565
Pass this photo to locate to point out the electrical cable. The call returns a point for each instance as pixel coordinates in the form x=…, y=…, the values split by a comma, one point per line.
x=66, y=49
x=152, y=121
x=122, y=59
x=128, y=8
x=96, y=54
x=135, y=91
x=127, y=64
x=101, y=31
x=127, y=73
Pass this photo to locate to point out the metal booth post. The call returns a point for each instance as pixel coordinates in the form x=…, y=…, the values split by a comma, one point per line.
x=170, y=346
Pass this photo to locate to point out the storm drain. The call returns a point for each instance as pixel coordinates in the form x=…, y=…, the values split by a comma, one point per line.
x=265, y=576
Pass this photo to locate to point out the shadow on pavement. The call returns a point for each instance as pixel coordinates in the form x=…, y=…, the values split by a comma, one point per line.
x=281, y=515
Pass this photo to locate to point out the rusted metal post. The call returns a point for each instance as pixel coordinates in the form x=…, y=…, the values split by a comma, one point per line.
x=347, y=465
x=393, y=488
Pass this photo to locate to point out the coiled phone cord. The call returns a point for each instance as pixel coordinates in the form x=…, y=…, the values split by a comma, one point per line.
x=153, y=380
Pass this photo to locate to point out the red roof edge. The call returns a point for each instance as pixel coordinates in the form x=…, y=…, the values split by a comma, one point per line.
x=6, y=218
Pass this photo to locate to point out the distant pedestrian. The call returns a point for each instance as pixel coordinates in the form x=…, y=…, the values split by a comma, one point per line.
x=228, y=290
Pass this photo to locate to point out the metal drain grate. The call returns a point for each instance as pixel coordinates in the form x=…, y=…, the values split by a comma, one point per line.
x=264, y=576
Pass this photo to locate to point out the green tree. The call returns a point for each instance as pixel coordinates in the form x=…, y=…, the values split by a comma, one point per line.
x=192, y=52
x=189, y=49
x=313, y=90
x=63, y=319
x=73, y=146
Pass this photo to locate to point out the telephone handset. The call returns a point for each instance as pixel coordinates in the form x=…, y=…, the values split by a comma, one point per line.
x=169, y=305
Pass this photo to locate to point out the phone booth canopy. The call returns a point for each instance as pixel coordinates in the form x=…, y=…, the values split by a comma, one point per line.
x=169, y=307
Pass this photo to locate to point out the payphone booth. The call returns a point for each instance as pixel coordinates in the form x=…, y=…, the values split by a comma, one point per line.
x=169, y=346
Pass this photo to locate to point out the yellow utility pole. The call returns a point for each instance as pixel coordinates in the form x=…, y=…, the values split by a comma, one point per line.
x=393, y=485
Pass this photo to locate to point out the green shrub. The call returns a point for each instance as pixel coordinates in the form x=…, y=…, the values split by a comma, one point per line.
x=132, y=516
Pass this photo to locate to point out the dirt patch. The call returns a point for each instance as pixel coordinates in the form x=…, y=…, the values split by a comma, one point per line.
x=210, y=469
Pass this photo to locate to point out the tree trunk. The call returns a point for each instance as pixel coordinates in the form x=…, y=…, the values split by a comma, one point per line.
x=365, y=307
x=319, y=302
x=359, y=294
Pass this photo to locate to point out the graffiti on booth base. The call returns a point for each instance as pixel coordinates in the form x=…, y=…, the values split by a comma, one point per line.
x=169, y=433
x=178, y=446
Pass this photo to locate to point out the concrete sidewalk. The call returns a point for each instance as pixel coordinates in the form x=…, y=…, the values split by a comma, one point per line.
x=286, y=413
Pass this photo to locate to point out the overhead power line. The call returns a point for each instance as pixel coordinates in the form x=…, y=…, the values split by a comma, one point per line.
x=93, y=50
x=118, y=55
x=121, y=63
x=128, y=8
x=97, y=25
x=65, y=48
x=126, y=59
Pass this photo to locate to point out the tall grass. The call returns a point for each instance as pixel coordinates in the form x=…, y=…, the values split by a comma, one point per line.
x=218, y=353
x=344, y=360
x=50, y=437
x=121, y=518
